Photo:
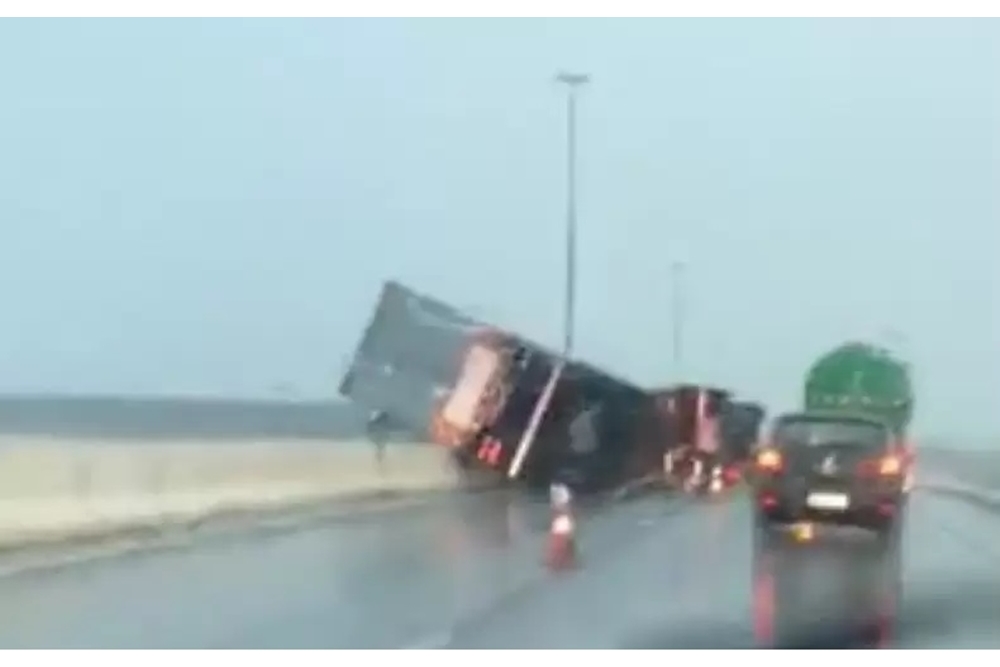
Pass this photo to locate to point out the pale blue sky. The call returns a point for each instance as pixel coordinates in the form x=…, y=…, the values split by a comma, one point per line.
x=198, y=206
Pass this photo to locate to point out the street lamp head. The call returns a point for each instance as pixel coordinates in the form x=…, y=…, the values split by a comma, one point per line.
x=572, y=79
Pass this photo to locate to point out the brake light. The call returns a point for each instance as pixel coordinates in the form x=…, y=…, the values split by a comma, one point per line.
x=769, y=459
x=768, y=501
x=890, y=465
x=731, y=475
x=887, y=466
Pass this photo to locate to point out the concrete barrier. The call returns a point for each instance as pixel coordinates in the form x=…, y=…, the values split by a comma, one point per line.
x=968, y=474
x=54, y=489
x=970, y=467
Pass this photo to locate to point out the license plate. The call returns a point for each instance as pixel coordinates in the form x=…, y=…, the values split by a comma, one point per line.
x=828, y=501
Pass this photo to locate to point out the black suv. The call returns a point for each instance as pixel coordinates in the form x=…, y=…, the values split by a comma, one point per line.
x=829, y=468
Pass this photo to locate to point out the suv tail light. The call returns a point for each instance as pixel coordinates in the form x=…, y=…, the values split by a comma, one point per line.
x=890, y=465
x=886, y=466
x=769, y=460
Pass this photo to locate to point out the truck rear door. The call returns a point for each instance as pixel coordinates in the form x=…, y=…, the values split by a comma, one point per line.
x=408, y=358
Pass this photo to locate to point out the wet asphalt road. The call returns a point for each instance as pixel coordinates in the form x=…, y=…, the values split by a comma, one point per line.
x=467, y=573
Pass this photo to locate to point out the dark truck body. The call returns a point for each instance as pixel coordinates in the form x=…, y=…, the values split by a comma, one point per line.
x=408, y=356
x=739, y=421
x=680, y=406
x=497, y=401
x=601, y=451
x=741, y=425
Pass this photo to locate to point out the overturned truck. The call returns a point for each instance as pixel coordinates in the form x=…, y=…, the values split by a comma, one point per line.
x=508, y=406
x=497, y=401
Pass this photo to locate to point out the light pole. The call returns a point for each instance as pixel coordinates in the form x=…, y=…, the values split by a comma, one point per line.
x=573, y=83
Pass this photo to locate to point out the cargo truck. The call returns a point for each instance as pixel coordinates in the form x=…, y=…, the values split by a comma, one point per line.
x=741, y=426
x=859, y=378
x=690, y=409
x=498, y=402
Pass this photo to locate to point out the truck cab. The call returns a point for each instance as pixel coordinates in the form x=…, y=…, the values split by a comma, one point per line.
x=686, y=406
x=688, y=410
x=522, y=412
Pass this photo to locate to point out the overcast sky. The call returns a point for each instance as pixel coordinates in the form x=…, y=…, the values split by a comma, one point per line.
x=210, y=207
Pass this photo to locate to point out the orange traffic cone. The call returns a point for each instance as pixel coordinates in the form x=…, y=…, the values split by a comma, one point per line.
x=562, y=537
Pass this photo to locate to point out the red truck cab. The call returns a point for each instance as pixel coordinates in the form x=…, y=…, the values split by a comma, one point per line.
x=688, y=410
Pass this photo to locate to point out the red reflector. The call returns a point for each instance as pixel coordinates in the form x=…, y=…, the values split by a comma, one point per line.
x=768, y=501
x=483, y=452
x=494, y=453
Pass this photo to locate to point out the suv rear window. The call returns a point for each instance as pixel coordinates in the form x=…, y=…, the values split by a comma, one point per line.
x=825, y=432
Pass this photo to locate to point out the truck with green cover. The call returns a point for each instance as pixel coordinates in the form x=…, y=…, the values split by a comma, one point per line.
x=861, y=379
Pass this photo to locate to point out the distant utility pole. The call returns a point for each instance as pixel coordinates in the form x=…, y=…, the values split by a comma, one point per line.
x=677, y=316
x=573, y=83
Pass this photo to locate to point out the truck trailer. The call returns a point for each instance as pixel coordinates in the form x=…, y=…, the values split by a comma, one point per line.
x=859, y=378
x=687, y=410
x=499, y=402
